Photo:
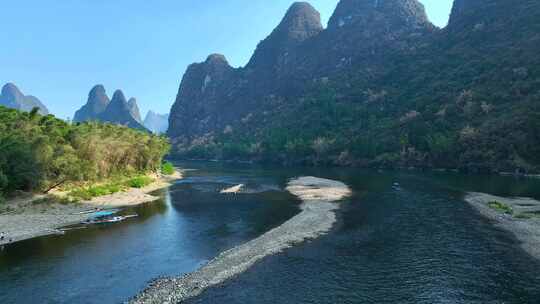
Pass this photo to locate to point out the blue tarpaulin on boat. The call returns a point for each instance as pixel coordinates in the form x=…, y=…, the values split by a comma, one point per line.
x=103, y=213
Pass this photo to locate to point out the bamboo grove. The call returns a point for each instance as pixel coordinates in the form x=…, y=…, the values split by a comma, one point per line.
x=39, y=153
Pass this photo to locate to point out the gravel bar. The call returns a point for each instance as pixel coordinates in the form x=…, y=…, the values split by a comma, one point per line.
x=526, y=230
x=317, y=217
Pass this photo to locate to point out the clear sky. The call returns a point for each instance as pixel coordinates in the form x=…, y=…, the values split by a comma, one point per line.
x=58, y=49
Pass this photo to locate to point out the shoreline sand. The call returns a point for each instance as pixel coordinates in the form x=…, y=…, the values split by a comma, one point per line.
x=29, y=220
x=526, y=230
x=317, y=216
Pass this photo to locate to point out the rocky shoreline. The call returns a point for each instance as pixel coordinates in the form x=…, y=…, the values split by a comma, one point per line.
x=523, y=221
x=317, y=216
x=29, y=220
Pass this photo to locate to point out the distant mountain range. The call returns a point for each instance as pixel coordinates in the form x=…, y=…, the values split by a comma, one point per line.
x=157, y=123
x=118, y=110
x=98, y=108
x=12, y=97
x=380, y=86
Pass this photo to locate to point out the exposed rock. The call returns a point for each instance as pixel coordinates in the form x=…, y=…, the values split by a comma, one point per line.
x=394, y=15
x=213, y=95
x=300, y=23
x=520, y=218
x=134, y=109
x=202, y=89
x=383, y=60
x=463, y=9
x=12, y=97
x=362, y=37
x=495, y=16
x=233, y=190
x=320, y=199
x=96, y=104
x=119, y=112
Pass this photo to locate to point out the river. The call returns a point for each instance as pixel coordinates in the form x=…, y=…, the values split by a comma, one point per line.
x=416, y=243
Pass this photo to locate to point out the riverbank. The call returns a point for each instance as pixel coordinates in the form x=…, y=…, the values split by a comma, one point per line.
x=521, y=216
x=317, y=216
x=36, y=216
x=135, y=196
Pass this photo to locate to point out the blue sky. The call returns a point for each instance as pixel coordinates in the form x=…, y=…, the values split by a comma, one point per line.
x=58, y=49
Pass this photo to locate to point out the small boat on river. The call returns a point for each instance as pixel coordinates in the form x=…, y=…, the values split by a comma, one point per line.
x=93, y=211
x=108, y=219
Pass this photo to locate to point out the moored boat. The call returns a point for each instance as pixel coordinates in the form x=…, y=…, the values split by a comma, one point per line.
x=109, y=220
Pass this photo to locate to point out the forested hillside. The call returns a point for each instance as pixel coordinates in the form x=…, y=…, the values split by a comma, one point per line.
x=380, y=86
x=38, y=153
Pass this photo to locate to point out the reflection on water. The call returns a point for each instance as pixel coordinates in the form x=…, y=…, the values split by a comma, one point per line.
x=111, y=263
x=419, y=243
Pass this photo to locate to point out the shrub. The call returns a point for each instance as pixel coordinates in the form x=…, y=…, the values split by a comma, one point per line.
x=96, y=191
x=110, y=188
x=82, y=194
x=140, y=181
x=167, y=168
x=3, y=186
x=99, y=191
x=3, y=181
x=503, y=208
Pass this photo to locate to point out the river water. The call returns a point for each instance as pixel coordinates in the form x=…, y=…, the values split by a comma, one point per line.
x=420, y=243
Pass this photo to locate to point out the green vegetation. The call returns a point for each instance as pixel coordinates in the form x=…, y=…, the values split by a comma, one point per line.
x=473, y=131
x=41, y=153
x=87, y=193
x=528, y=215
x=140, y=181
x=524, y=216
x=467, y=99
x=111, y=187
x=501, y=207
x=167, y=168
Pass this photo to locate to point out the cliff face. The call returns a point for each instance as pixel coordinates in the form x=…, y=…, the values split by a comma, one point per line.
x=117, y=111
x=208, y=99
x=363, y=37
x=12, y=97
x=393, y=15
x=202, y=94
x=213, y=96
x=381, y=83
x=300, y=23
x=134, y=109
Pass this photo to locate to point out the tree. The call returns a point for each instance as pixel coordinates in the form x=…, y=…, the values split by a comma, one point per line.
x=40, y=153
